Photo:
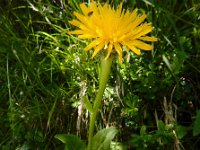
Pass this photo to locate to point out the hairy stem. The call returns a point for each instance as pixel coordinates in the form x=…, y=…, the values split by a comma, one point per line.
x=103, y=79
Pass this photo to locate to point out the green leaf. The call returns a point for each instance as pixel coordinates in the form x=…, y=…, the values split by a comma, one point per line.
x=160, y=125
x=181, y=131
x=196, y=129
x=72, y=142
x=117, y=146
x=167, y=62
x=51, y=112
x=87, y=104
x=178, y=61
x=143, y=130
x=102, y=140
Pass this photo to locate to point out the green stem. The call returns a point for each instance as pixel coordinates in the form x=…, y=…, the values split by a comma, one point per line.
x=103, y=79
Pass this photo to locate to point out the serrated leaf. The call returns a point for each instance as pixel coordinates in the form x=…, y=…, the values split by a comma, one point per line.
x=72, y=142
x=87, y=104
x=102, y=140
x=196, y=128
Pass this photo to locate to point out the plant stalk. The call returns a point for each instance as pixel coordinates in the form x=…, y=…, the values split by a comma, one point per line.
x=103, y=79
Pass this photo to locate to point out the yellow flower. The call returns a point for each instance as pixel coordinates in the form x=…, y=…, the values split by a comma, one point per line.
x=112, y=30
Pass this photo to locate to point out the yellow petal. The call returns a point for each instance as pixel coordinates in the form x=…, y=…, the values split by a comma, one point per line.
x=133, y=14
x=133, y=48
x=141, y=45
x=98, y=48
x=140, y=31
x=110, y=47
x=147, y=38
x=78, y=24
x=76, y=32
x=119, y=51
x=75, y=23
x=93, y=7
x=81, y=17
x=138, y=21
x=119, y=10
x=128, y=18
x=132, y=30
x=84, y=9
x=86, y=36
x=93, y=44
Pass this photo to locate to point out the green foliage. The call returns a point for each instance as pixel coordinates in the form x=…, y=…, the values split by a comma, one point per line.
x=117, y=146
x=162, y=138
x=181, y=131
x=102, y=139
x=42, y=68
x=71, y=142
x=131, y=108
x=88, y=104
x=196, y=129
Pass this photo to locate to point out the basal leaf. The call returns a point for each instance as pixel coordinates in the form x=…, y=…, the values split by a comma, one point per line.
x=72, y=142
x=103, y=138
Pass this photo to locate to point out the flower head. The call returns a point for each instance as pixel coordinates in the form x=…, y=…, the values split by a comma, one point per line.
x=111, y=29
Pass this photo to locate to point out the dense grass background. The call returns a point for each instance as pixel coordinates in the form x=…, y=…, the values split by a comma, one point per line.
x=153, y=100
